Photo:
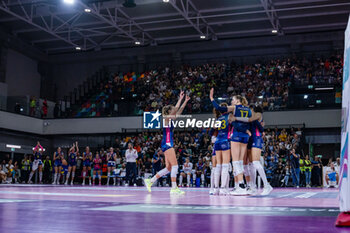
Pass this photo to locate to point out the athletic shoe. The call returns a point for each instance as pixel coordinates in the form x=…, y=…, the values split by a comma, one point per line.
x=115, y=184
x=176, y=191
x=148, y=184
x=83, y=184
x=66, y=183
x=223, y=192
x=267, y=190
x=54, y=183
x=238, y=192
x=212, y=191
x=71, y=183
x=249, y=191
x=254, y=191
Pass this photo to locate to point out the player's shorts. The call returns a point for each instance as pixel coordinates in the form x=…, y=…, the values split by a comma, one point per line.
x=97, y=168
x=72, y=163
x=221, y=145
x=111, y=164
x=86, y=164
x=240, y=137
x=57, y=163
x=166, y=147
x=258, y=143
x=36, y=164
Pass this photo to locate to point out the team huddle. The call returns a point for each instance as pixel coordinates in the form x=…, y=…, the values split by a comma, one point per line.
x=238, y=139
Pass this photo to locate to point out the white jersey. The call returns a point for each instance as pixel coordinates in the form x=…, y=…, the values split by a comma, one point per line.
x=213, y=139
x=187, y=167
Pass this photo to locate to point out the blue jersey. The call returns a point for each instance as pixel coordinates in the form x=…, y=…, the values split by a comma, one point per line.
x=256, y=129
x=241, y=111
x=111, y=156
x=223, y=131
x=72, y=157
x=58, y=156
x=87, y=156
x=37, y=156
x=167, y=141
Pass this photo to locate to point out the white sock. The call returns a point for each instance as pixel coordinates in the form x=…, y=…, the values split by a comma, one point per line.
x=84, y=175
x=261, y=172
x=173, y=185
x=40, y=176
x=188, y=179
x=224, y=175
x=217, y=175
x=241, y=168
x=73, y=175
x=94, y=177
x=54, y=178
x=202, y=179
x=67, y=178
x=58, y=177
x=108, y=180
x=212, y=177
x=194, y=179
x=252, y=175
x=180, y=180
x=114, y=180
x=236, y=184
x=161, y=173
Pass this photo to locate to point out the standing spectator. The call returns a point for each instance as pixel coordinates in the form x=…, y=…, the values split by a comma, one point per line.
x=47, y=170
x=32, y=105
x=307, y=165
x=25, y=169
x=56, y=110
x=316, y=172
x=44, y=109
x=131, y=156
x=302, y=172
x=156, y=164
x=294, y=158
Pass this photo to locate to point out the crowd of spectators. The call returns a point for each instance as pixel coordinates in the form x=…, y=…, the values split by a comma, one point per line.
x=283, y=163
x=265, y=83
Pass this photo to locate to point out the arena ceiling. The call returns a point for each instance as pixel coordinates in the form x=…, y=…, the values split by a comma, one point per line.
x=57, y=27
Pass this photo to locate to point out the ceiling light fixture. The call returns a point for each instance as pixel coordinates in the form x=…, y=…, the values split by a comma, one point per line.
x=87, y=10
x=202, y=37
x=69, y=1
x=77, y=48
x=274, y=31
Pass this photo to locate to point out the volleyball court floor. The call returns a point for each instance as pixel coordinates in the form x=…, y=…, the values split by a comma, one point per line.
x=47, y=208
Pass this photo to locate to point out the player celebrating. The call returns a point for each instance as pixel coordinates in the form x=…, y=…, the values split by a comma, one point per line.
x=97, y=169
x=222, y=148
x=57, y=158
x=72, y=162
x=37, y=163
x=169, y=113
x=111, y=158
x=213, y=133
x=87, y=160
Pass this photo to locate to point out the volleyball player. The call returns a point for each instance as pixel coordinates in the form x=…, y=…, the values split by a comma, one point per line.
x=186, y=172
x=37, y=163
x=87, y=160
x=222, y=149
x=97, y=169
x=72, y=162
x=111, y=158
x=213, y=133
x=169, y=113
x=57, y=158
x=257, y=144
x=239, y=137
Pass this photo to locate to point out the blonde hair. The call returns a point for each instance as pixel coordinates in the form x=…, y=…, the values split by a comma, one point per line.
x=241, y=99
x=166, y=110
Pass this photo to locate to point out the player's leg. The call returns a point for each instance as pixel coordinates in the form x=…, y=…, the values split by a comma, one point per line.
x=73, y=174
x=212, y=174
x=108, y=173
x=84, y=174
x=55, y=175
x=171, y=157
x=89, y=174
x=224, y=171
x=94, y=177
x=165, y=171
x=218, y=171
x=68, y=174
x=40, y=173
x=256, y=152
x=99, y=177
x=59, y=174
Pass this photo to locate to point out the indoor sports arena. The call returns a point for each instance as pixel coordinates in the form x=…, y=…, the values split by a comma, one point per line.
x=174, y=116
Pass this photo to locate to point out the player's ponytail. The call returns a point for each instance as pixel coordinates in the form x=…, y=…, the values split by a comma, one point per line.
x=166, y=110
x=244, y=101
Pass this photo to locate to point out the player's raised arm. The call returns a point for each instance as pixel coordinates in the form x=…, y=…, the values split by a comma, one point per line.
x=222, y=109
x=183, y=106
x=177, y=106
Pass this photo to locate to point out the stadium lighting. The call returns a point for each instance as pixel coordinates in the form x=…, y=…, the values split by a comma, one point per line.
x=137, y=42
x=165, y=0
x=69, y=1
x=77, y=48
x=323, y=88
x=87, y=10
x=305, y=97
x=13, y=146
x=202, y=37
x=274, y=31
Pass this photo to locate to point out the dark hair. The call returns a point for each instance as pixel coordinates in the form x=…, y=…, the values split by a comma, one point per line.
x=216, y=112
x=258, y=108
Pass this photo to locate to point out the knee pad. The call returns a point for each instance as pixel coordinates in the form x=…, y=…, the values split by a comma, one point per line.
x=174, y=171
x=163, y=172
x=236, y=168
x=246, y=170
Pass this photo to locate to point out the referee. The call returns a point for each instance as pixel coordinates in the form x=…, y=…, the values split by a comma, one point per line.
x=131, y=156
